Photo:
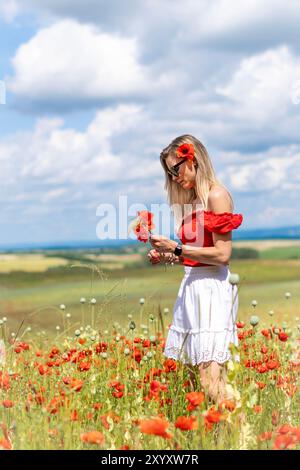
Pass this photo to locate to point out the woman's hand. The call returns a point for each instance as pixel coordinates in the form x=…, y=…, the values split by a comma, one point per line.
x=154, y=257
x=162, y=244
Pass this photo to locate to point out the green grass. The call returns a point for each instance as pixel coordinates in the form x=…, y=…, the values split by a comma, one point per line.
x=287, y=252
x=36, y=297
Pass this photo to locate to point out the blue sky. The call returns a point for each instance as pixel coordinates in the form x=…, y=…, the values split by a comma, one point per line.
x=96, y=89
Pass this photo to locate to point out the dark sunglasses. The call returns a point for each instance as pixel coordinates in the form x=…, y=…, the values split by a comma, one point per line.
x=174, y=170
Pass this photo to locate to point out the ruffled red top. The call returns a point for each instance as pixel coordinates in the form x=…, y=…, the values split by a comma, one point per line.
x=196, y=229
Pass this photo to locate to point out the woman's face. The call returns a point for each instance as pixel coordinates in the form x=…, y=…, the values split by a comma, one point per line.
x=187, y=175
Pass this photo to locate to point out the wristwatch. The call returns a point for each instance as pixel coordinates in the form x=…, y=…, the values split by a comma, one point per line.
x=178, y=249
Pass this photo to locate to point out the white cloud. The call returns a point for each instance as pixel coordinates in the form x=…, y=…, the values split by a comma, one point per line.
x=277, y=168
x=9, y=10
x=69, y=64
x=57, y=155
x=262, y=84
x=54, y=165
x=250, y=108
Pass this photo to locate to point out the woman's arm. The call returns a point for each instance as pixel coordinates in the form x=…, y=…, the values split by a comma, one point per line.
x=208, y=255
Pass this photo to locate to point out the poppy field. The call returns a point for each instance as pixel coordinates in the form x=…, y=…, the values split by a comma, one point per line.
x=111, y=387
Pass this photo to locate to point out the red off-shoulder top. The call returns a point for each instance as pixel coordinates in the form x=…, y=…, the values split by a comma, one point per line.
x=196, y=229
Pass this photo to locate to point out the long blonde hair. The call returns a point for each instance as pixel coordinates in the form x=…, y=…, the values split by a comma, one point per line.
x=179, y=198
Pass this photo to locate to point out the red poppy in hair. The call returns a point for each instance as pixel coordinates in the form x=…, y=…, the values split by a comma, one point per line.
x=186, y=151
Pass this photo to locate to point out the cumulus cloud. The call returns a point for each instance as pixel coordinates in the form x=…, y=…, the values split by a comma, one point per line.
x=68, y=65
x=279, y=167
x=77, y=170
x=58, y=155
x=255, y=106
x=54, y=177
x=261, y=85
x=56, y=164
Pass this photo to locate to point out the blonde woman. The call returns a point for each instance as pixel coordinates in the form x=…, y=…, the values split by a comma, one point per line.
x=205, y=311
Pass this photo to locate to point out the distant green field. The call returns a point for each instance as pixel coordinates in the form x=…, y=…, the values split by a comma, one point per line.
x=36, y=296
x=287, y=252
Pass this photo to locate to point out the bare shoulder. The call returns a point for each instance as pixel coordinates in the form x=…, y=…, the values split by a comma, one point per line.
x=219, y=200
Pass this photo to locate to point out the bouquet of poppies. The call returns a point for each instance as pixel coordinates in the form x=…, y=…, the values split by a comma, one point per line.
x=142, y=226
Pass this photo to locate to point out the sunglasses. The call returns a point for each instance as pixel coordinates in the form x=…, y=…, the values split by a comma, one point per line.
x=174, y=170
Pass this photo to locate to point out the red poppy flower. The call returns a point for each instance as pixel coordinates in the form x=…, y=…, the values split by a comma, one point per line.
x=282, y=336
x=101, y=347
x=257, y=408
x=143, y=225
x=43, y=369
x=262, y=368
x=186, y=423
x=213, y=416
x=227, y=404
x=146, y=219
x=170, y=365
x=261, y=385
x=284, y=441
x=186, y=151
x=76, y=385
x=92, y=437
x=74, y=415
x=7, y=404
x=97, y=406
x=84, y=366
x=141, y=233
x=137, y=355
x=194, y=399
x=157, y=426
x=266, y=333
x=155, y=386
x=273, y=365
x=5, y=444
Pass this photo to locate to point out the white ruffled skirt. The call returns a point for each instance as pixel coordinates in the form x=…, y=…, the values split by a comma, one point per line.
x=204, y=317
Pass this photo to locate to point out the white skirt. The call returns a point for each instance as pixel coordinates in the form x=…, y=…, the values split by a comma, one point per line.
x=204, y=317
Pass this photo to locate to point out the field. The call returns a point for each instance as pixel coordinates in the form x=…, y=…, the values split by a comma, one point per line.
x=32, y=286
x=85, y=365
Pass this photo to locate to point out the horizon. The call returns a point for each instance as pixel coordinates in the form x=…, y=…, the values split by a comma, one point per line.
x=242, y=235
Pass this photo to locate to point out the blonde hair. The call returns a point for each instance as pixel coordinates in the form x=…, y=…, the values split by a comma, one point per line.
x=205, y=177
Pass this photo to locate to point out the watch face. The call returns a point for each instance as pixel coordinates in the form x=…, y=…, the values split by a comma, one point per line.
x=178, y=250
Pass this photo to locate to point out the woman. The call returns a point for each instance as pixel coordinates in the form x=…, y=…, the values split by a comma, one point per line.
x=205, y=311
